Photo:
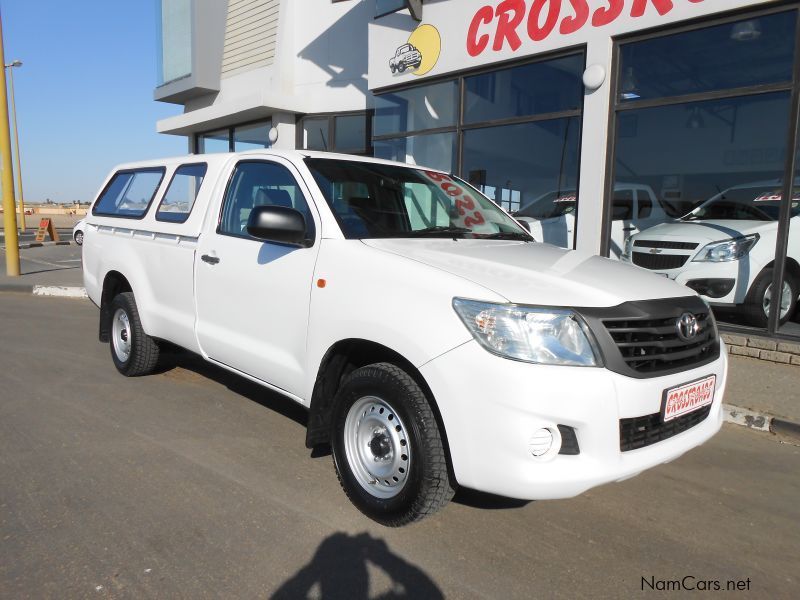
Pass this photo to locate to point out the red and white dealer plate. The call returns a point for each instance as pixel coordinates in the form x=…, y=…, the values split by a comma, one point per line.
x=689, y=397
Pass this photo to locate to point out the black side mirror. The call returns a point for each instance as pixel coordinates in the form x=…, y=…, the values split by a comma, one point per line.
x=525, y=225
x=278, y=224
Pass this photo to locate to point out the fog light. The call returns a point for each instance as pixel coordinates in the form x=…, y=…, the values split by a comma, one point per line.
x=712, y=288
x=542, y=441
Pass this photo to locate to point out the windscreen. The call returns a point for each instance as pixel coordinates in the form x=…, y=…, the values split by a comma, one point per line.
x=757, y=203
x=373, y=200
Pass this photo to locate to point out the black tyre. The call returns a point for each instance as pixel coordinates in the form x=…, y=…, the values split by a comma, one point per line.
x=387, y=449
x=79, y=238
x=401, y=67
x=393, y=68
x=132, y=350
x=759, y=299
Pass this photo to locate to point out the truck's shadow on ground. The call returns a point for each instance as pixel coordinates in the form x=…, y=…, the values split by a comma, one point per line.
x=173, y=359
x=339, y=569
x=476, y=499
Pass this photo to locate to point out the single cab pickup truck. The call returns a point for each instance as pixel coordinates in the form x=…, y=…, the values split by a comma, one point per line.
x=433, y=341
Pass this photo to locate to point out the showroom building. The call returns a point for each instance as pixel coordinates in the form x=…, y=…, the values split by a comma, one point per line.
x=592, y=120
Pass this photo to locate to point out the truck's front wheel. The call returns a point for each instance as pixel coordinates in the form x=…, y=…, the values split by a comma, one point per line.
x=132, y=350
x=387, y=449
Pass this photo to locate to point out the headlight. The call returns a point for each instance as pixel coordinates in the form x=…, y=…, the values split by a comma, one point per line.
x=549, y=336
x=729, y=250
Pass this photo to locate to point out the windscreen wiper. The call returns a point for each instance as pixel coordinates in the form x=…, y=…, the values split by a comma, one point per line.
x=506, y=235
x=439, y=229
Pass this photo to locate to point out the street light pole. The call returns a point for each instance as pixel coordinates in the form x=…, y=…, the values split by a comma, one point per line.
x=10, y=67
x=9, y=206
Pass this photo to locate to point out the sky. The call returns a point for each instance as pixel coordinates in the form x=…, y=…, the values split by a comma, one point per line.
x=84, y=94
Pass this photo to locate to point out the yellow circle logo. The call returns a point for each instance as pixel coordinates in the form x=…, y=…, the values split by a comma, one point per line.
x=420, y=54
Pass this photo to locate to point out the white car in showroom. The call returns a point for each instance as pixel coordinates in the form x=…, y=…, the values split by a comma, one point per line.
x=551, y=217
x=725, y=249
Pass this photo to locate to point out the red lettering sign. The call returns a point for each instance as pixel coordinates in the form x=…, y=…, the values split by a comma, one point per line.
x=604, y=16
x=467, y=211
x=510, y=14
x=537, y=31
x=573, y=24
x=502, y=25
x=477, y=43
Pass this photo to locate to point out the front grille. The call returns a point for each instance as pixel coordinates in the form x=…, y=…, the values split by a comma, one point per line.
x=653, y=345
x=640, y=339
x=659, y=261
x=666, y=245
x=639, y=432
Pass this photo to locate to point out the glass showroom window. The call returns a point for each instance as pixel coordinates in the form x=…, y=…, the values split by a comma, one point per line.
x=175, y=40
x=785, y=314
x=515, y=136
x=435, y=150
x=701, y=121
x=251, y=136
x=529, y=164
x=418, y=125
x=214, y=141
x=347, y=133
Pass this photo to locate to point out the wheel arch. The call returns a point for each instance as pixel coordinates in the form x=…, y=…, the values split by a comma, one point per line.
x=342, y=358
x=113, y=283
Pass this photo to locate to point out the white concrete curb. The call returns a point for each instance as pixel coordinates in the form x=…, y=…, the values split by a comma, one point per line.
x=60, y=291
x=746, y=418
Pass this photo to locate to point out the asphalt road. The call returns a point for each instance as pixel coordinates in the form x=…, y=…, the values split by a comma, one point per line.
x=193, y=483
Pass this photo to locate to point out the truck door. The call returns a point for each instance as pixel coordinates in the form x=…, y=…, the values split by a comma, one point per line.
x=252, y=296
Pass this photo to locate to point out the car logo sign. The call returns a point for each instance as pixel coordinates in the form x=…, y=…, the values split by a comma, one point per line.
x=656, y=250
x=688, y=327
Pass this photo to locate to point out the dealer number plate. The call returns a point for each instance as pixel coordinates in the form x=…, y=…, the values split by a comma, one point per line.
x=687, y=398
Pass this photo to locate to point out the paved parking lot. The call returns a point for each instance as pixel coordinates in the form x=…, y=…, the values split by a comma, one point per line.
x=194, y=483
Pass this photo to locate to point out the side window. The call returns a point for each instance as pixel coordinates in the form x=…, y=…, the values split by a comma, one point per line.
x=258, y=183
x=623, y=205
x=129, y=193
x=645, y=205
x=179, y=198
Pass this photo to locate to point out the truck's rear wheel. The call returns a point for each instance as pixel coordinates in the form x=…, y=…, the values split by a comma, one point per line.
x=132, y=350
x=387, y=449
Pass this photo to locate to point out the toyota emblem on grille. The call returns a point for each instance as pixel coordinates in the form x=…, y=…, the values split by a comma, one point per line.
x=688, y=327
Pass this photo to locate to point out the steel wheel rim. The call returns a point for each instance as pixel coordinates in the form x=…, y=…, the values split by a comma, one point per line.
x=79, y=238
x=121, y=335
x=376, y=446
x=786, y=299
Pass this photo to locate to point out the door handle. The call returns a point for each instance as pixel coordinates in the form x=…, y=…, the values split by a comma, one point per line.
x=212, y=260
x=629, y=229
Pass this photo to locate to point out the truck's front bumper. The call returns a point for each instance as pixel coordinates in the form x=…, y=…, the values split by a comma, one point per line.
x=492, y=408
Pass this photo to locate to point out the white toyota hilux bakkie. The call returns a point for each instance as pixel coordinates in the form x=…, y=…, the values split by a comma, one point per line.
x=434, y=343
